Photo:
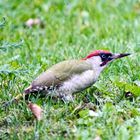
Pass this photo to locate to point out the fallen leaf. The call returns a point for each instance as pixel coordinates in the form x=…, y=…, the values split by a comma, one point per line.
x=97, y=138
x=30, y=22
x=36, y=110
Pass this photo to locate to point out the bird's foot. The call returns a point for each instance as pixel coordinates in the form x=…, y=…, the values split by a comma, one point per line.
x=67, y=99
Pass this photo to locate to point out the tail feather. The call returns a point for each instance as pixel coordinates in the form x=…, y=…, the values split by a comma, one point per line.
x=26, y=93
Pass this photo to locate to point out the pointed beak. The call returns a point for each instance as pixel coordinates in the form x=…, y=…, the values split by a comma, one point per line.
x=116, y=56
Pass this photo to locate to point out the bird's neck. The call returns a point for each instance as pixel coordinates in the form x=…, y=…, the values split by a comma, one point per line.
x=95, y=63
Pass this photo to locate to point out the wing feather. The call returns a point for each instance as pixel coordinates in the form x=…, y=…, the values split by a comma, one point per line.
x=61, y=72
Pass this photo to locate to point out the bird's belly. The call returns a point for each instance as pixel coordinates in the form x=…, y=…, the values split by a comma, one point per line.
x=79, y=82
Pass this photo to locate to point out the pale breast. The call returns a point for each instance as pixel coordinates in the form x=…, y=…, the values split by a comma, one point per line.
x=79, y=82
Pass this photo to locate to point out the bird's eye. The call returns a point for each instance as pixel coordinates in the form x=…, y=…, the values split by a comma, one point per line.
x=103, y=56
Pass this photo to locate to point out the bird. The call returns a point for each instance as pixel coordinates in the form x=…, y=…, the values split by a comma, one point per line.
x=68, y=77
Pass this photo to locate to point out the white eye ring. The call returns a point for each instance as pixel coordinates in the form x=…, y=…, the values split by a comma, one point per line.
x=103, y=56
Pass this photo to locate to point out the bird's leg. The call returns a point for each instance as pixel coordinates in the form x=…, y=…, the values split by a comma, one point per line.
x=67, y=99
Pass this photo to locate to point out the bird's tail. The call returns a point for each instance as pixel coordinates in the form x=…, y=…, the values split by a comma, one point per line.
x=25, y=95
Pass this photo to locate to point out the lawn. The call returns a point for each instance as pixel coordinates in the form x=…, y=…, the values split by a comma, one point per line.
x=70, y=29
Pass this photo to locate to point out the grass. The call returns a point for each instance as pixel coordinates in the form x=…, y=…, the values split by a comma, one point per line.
x=71, y=30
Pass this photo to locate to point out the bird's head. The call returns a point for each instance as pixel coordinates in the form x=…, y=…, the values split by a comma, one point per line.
x=101, y=58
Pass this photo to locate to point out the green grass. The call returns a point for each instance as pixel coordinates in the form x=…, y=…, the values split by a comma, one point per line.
x=71, y=30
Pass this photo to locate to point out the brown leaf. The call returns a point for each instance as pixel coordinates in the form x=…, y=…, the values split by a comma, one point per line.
x=30, y=22
x=36, y=110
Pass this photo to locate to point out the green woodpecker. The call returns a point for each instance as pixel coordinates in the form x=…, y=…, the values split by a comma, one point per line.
x=71, y=76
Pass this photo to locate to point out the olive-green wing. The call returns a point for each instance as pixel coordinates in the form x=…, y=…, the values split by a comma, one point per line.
x=61, y=72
